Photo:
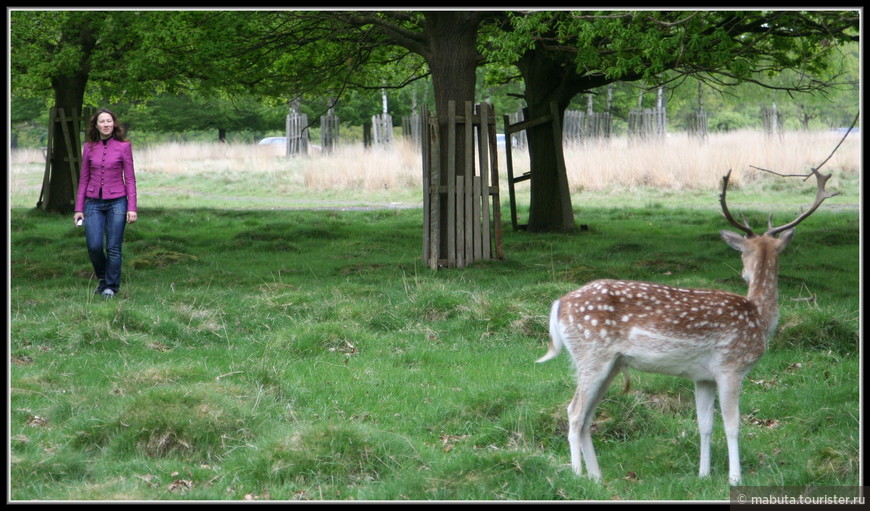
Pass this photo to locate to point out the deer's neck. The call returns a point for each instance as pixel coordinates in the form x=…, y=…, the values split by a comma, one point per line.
x=764, y=293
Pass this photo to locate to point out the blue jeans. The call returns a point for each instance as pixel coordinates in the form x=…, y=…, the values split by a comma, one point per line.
x=105, y=220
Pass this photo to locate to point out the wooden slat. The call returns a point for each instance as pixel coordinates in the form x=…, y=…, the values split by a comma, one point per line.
x=435, y=197
x=484, y=182
x=427, y=171
x=510, y=170
x=494, y=188
x=468, y=195
x=524, y=125
x=479, y=227
x=451, y=183
x=45, y=193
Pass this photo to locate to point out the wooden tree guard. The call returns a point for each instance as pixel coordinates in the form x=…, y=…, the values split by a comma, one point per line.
x=582, y=126
x=772, y=120
x=647, y=122
x=72, y=127
x=382, y=125
x=460, y=225
x=329, y=132
x=697, y=120
x=411, y=129
x=509, y=130
x=297, y=134
x=697, y=123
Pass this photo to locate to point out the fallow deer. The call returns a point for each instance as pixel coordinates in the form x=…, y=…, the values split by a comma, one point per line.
x=710, y=336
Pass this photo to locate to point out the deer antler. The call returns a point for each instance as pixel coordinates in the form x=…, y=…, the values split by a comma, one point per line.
x=821, y=193
x=745, y=225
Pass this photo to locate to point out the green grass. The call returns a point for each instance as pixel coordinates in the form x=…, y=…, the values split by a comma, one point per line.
x=311, y=355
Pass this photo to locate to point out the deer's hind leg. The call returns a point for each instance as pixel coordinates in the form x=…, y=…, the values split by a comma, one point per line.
x=592, y=382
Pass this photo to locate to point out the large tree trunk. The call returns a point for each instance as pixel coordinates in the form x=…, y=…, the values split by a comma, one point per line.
x=550, y=208
x=547, y=81
x=69, y=93
x=451, y=40
x=66, y=148
x=451, y=53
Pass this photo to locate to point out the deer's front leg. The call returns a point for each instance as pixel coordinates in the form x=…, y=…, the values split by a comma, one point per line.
x=729, y=398
x=705, y=393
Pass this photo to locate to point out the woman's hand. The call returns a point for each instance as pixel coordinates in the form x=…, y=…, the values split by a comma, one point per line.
x=77, y=217
x=132, y=216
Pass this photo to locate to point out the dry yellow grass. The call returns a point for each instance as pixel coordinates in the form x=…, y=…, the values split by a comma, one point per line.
x=357, y=168
x=680, y=162
x=350, y=167
x=674, y=163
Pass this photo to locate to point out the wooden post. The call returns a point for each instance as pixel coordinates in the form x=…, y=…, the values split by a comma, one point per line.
x=483, y=182
x=45, y=194
x=451, y=187
x=494, y=188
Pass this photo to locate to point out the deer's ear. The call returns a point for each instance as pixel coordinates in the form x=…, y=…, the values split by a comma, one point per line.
x=784, y=239
x=734, y=240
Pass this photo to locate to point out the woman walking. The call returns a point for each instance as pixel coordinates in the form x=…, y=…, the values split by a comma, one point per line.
x=106, y=198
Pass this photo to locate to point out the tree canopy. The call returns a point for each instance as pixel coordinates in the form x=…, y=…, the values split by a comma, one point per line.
x=563, y=53
x=281, y=55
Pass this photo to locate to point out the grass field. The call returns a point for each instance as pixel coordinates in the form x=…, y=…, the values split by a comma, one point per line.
x=260, y=349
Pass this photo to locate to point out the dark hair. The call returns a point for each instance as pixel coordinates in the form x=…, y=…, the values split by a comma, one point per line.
x=92, y=134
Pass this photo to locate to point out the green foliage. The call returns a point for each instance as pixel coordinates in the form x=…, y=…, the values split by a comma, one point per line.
x=730, y=121
x=169, y=113
x=785, y=51
x=110, y=50
x=133, y=62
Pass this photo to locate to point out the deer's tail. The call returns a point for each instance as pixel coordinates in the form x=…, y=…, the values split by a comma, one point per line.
x=555, y=334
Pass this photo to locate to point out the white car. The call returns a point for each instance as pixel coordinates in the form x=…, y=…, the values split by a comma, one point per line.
x=274, y=140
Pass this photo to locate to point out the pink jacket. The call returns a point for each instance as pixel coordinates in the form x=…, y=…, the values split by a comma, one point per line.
x=108, y=167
